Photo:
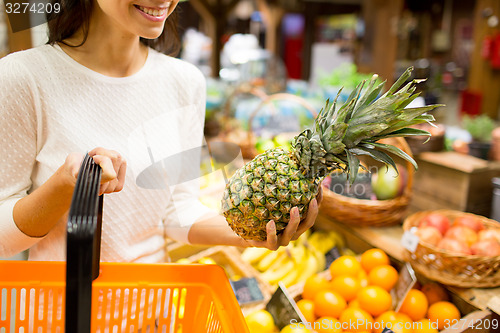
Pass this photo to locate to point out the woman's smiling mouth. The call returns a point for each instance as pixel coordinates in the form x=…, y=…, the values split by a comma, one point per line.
x=154, y=13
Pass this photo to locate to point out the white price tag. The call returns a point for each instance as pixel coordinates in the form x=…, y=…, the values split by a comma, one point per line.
x=409, y=240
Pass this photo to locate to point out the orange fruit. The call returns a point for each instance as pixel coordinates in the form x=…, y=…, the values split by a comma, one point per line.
x=425, y=326
x=403, y=317
x=363, y=279
x=306, y=307
x=372, y=258
x=327, y=325
x=260, y=321
x=375, y=300
x=296, y=328
x=347, y=286
x=356, y=320
x=415, y=305
x=434, y=292
x=354, y=304
x=382, y=320
x=389, y=319
x=402, y=327
x=384, y=276
x=345, y=265
x=313, y=285
x=329, y=303
x=443, y=313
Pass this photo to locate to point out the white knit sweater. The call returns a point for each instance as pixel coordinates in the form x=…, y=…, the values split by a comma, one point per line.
x=50, y=106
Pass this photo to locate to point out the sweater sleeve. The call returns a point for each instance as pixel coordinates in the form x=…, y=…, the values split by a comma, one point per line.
x=186, y=208
x=18, y=147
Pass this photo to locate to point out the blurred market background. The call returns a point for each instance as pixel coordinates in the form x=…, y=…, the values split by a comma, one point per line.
x=312, y=48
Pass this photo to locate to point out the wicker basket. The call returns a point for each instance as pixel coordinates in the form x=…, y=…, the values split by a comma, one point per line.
x=465, y=271
x=373, y=213
x=230, y=132
x=247, y=142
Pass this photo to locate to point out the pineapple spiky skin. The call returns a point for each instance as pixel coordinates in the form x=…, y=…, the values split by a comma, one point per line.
x=275, y=181
x=265, y=189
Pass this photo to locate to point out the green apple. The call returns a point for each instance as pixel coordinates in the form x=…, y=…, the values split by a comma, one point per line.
x=386, y=183
x=283, y=140
x=264, y=144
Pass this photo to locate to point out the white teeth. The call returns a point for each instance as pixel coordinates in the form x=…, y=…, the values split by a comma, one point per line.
x=152, y=12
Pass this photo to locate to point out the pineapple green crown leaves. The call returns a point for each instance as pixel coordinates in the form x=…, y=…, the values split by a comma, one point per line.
x=342, y=134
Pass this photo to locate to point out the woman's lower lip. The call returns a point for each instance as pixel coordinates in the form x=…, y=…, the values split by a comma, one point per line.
x=153, y=18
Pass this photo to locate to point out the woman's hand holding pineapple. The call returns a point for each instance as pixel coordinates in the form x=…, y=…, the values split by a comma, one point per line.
x=293, y=230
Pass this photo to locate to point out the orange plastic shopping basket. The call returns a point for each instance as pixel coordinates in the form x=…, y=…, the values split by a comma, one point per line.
x=81, y=295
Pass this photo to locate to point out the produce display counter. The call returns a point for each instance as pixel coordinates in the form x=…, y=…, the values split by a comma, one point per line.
x=389, y=240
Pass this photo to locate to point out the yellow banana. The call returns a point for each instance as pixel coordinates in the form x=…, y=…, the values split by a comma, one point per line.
x=282, y=259
x=269, y=259
x=298, y=252
x=291, y=278
x=276, y=275
x=253, y=255
x=321, y=241
x=348, y=252
x=308, y=267
x=339, y=240
x=320, y=259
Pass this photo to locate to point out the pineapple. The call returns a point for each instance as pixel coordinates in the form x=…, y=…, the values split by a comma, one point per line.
x=267, y=187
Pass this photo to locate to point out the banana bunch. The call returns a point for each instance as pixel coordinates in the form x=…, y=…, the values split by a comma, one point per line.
x=297, y=261
x=325, y=240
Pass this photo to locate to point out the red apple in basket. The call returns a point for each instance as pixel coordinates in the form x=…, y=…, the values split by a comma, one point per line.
x=488, y=248
x=453, y=246
x=470, y=222
x=464, y=235
x=493, y=234
x=436, y=220
x=429, y=235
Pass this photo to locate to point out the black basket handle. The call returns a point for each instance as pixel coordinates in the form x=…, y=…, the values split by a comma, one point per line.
x=83, y=246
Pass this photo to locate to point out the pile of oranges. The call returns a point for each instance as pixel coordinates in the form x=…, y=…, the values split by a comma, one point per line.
x=357, y=299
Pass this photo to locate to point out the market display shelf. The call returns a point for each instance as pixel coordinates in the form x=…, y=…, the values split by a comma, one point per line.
x=389, y=240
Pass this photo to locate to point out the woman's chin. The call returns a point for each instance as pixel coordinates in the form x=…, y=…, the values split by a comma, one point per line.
x=150, y=32
x=151, y=35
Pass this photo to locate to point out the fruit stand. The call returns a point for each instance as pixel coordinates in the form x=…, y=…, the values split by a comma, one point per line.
x=378, y=211
x=474, y=304
x=389, y=239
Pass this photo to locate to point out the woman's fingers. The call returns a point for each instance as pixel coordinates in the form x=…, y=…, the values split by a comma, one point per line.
x=272, y=238
x=291, y=228
x=113, y=169
x=312, y=213
x=108, y=171
x=319, y=197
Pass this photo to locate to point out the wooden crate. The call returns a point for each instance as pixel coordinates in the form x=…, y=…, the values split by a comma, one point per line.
x=178, y=250
x=449, y=180
x=230, y=259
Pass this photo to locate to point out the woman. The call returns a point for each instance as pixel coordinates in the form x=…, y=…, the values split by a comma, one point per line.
x=99, y=83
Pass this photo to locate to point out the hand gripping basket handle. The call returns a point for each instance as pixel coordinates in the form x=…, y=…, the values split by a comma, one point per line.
x=83, y=246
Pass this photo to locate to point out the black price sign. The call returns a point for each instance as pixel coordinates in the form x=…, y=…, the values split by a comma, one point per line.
x=283, y=308
x=406, y=281
x=247, y=290
x=387, y=330
x=331, y=255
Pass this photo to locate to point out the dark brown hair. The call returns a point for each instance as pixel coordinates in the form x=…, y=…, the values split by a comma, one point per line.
x=75, y=14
